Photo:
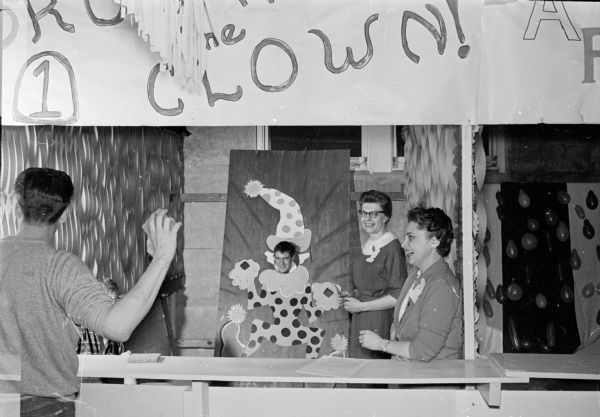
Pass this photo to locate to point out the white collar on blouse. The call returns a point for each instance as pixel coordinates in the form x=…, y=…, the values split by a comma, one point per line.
x=371, y=248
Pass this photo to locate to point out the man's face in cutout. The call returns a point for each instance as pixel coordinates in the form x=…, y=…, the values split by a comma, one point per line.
x=282, y=262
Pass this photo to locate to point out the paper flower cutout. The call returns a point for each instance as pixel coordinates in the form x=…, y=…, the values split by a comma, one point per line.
x=326, y=295
x=339, y=343
x=236, y=313
x=253, y=188
x=243, y=273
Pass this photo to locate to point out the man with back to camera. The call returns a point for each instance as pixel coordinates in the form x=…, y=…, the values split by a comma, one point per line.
x=44, y=292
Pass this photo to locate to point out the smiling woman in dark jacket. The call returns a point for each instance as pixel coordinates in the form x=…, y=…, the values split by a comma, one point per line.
x=428, y=317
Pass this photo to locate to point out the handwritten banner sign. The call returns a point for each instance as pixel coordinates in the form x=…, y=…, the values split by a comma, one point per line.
x=310, y=62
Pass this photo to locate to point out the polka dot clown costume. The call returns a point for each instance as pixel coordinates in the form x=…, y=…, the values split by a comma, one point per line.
x=287, y=294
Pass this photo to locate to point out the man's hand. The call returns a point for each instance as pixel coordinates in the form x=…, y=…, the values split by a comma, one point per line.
x=162, y=235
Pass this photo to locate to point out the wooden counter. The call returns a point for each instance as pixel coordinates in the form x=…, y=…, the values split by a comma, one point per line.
x=202, y=370
x=552, y=366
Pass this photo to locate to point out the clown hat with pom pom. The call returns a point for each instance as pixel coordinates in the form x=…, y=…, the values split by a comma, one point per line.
x=291, y=223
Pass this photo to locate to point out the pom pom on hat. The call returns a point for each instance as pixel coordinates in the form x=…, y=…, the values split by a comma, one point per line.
x=253, y=188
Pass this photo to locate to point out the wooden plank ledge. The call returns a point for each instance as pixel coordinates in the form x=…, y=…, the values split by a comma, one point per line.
x=554, y=366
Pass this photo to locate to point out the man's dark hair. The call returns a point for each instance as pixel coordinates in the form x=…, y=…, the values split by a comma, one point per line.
x=286, y=247
x=374, y=196
x=436, y=222
x=44, y=194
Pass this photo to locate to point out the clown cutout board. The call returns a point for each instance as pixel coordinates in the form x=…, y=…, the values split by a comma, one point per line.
x=285, y=255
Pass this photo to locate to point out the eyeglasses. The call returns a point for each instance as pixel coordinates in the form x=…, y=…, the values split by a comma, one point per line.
x=282, y=259
x=370, y=214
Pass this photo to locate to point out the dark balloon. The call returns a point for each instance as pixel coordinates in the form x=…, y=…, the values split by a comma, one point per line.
x=500, y=198
x=551, y=334
x=500, y=295
x=511, y=249
x=487, y=308
x=526, y=344
x=543, y=347
x=560, y=274
x=562, y=232
x=541, y=301
x=514, y=291
x=524, y=200
x=579, y=211
x=550, y=217
x=529, y=241
x=501, y=213
x=514, y=337
x=548, y=241
x=575, y=260
x=566, y=294
x=488, y=236
x=532, y=224
x=588, y=229
x=588, y=290
x=591, y=200
x=598, y=318
x=563, y=197
x=489, y=289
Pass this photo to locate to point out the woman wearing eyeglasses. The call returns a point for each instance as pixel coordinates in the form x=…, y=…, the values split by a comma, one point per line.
x=377, y=275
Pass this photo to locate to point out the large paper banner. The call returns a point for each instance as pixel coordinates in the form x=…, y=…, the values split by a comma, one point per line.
x=291, y=62
x=268, y=62
x=270, y=307
x=540, y=62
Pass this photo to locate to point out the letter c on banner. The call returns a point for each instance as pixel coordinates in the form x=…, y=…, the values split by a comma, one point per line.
x=285, y=48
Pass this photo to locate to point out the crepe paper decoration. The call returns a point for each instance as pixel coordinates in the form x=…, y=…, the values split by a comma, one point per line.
x=339, y=344
x=488, y=236
x=533, y=224
x=598, y=252
x=566, y=294
x=486, y=256
x=540, y=301
x=588, y=290
x=598, y=289
x=563, y=197
x=524, y=200
x=579, y=211
x=511, y=249
x=562, y=232
x=529, y=241
x=591, y=200
x=514, y=292
x=487, y=308
x=243, y=273
x=588, y=229
x=598, y=318
x=575, y=260
x=512, y=331
x=500, y=295
x=550, y=217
